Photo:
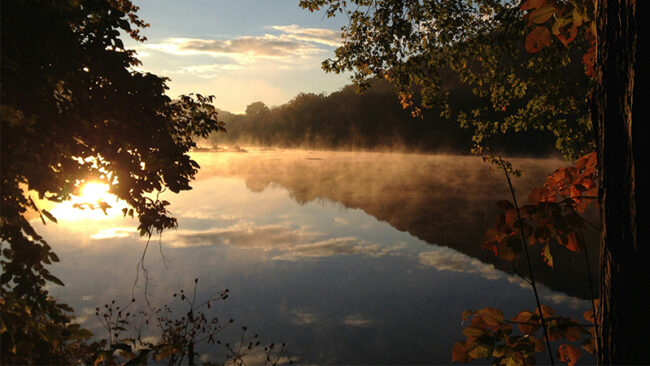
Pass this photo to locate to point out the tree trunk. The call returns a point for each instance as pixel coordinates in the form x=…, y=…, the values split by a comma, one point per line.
x=622, y=127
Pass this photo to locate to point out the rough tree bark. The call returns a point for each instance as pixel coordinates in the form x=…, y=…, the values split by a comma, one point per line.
x=622, y=128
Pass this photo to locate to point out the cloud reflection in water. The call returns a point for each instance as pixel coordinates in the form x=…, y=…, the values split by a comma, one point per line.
x=310, y=272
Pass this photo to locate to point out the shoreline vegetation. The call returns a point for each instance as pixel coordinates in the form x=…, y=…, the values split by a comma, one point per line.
x=374, y=120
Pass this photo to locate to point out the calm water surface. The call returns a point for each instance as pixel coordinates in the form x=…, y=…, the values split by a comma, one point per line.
x=347, y=257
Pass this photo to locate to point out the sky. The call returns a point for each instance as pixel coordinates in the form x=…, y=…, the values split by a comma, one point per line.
x=240, y=51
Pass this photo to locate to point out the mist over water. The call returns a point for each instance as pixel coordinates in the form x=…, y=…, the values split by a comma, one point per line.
x=348, y=257
x=446, y=200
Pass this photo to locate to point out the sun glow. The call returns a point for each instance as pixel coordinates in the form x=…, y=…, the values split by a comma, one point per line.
x=94, y=192
x=94, y=203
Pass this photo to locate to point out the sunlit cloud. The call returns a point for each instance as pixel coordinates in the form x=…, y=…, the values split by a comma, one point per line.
x=242, y=234
x=206, y=213
x=303, y=317
x=292, y=244
x=445, y=259
x=115, y=232
x=564, y=299
x=356, y=320
x=208, y=71
x=342, y=221
x=243, y=49
x=324, y=36
x=329, y=247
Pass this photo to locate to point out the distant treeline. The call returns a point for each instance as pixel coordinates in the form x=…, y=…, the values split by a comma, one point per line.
x=373, y=120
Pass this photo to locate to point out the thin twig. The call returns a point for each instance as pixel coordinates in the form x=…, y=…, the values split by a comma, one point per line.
x=530, y=267
x=160, y=248
x=536, y=324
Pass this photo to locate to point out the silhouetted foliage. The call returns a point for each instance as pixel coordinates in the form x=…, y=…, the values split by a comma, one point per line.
x=175, y=332
x=416, y=44
x=375, y=120
x=74, y=109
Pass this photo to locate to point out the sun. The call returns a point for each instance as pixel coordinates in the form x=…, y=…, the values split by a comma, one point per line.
x=94, y=202
x=93, y=192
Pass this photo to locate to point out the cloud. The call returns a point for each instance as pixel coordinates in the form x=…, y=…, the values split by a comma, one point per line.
x=357, y=320
x=244, y=49
x=208, y=71
x=292, y=244
x=242, y=234
x=115, y=232
x=303, y=317
x=342, y=221
x=324, y=36
x=329, y=247
x=445, y=259
x=561, y=298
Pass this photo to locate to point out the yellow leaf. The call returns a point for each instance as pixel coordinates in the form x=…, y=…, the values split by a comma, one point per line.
x=577, y=17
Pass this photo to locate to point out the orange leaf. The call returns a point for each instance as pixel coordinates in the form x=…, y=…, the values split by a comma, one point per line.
x=541, y=194
x=541, y=15
x=459, y=353
x=589, y=316
x=493, y=317
x=511, y=217
x=537, y=39
x=490, y=239
x=547, y=311
x=510, y=247
x=477, y=323
x=505, y=205
x=539, y=344
x=467, y=314
x=589, y=345
x=472, y=333
x=569, y=353
x=533, y=4
x=569, y=36
x=527, y=317
x=588, y=160
x=573, y=333
x=573, y=244
x=547, y=256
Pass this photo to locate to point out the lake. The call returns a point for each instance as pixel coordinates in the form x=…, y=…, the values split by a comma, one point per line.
x=348, y=257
